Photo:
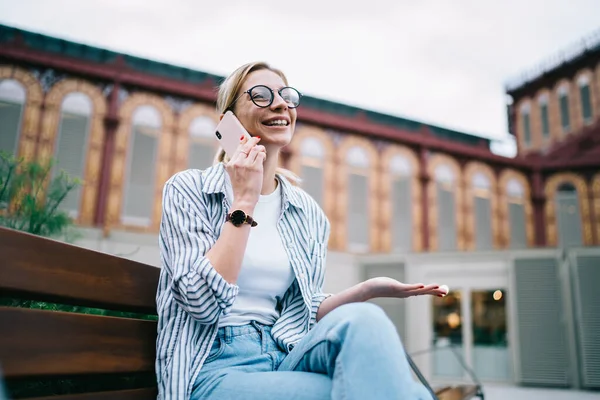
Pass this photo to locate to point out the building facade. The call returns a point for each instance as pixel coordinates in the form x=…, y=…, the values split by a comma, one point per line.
x=398, y=192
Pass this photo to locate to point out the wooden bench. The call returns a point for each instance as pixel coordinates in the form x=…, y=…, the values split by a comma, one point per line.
x=47, y=354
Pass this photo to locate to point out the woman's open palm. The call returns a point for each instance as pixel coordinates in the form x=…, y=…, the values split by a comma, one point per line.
x=388, y=287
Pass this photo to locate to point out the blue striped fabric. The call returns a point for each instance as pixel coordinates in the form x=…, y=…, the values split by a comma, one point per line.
x=191, y=294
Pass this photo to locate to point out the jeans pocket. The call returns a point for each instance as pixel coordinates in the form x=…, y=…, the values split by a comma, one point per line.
x=216, y=350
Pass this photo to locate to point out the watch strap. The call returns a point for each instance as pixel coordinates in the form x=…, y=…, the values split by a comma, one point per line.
x=251, y=221
x=248, y=219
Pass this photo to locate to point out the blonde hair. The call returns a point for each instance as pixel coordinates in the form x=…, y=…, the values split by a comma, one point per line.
x=228, y=91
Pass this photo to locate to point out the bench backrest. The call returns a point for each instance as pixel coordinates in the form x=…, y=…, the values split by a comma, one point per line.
x=44, y=352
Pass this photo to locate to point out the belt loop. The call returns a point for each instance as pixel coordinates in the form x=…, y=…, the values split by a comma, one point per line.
x=261, y=332
x=228, y=334
x=257, y=327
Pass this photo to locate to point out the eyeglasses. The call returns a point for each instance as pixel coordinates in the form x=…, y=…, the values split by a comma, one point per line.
x=262, y=96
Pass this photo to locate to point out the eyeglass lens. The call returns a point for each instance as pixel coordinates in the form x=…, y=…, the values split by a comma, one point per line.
x=262, y=96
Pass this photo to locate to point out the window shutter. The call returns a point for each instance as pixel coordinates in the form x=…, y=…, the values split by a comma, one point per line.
x=70, y=154
x=526, y=129
x=312, y=182
x=586, y=275
x=564, y=112
x=545, y=120
x=586, y=103
x=402, y=220
x=358, y=218
x=483, y=224
x=569, y=219
x=517, y=226
x=139, y=191
x=10, y=126
x=201, y=155
x=541, y=335
x=446, y=219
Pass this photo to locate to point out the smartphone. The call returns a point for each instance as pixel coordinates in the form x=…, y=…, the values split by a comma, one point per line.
x=229, y=131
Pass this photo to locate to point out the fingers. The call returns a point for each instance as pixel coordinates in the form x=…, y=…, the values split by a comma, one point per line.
x=431, y=289
x=244, y=148
x=257, y=154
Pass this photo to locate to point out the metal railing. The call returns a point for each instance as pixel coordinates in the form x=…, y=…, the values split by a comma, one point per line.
x=460, y=360
x=565, y=56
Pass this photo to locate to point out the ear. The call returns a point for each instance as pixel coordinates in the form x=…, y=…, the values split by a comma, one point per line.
x=221, y=116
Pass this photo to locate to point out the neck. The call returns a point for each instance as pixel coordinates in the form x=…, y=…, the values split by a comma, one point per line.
x=269, y=168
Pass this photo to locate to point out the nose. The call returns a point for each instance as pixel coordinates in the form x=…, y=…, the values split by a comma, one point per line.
x=278, y=102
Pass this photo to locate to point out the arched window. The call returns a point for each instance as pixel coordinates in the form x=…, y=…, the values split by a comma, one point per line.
x=312, y=154
x=401, y=176
x=445, y=183
x=12, y=101
x=141, y=166
x=568, y=216
x=72, y=143
x=358, y=199
x=563, y=102
x=517, y=219
x=482, y=200
x=586, y=100
x=544, y=116
x=526, y=123
x=202, y=147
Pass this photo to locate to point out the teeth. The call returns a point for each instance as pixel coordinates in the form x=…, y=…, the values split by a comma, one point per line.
x=280, y=122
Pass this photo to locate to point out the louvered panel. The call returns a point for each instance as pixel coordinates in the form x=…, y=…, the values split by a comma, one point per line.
x=139, y=193
x=446, y=219
x=402, y=214
x=394, y=308
x=358, y=218
x=587, y=300
x=483, y=224
x=70, y=154
x=312, y=182
x=517, y=223
x=201, y=155
x=543, y=354
x=10, y=121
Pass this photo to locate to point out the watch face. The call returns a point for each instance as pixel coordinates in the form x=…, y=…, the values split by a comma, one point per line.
x=238, y=217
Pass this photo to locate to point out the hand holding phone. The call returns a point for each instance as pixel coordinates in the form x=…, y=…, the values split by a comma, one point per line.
x=246, y=158
x=229, y=132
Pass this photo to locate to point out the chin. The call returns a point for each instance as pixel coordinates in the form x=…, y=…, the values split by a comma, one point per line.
x=276, y=142
x=276, y=139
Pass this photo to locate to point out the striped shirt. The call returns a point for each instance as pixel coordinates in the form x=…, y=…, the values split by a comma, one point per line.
x=192, y=295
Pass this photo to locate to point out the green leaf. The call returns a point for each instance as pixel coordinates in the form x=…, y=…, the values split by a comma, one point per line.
x=31, y=194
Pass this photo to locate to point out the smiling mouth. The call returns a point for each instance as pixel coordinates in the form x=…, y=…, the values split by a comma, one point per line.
x=278, y=122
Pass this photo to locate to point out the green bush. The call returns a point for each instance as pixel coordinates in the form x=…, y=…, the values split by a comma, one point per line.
x=31, y=193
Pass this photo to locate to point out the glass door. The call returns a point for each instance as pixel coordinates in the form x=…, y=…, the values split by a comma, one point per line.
x=471, y=323
x=490, y=354
x=448, y=335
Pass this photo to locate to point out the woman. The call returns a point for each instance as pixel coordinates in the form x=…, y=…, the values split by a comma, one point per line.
x=241, y=308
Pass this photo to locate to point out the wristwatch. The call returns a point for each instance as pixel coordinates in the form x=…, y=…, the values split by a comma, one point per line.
x=238, y=218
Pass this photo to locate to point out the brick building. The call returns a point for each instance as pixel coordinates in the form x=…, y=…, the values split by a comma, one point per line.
x=405, y=199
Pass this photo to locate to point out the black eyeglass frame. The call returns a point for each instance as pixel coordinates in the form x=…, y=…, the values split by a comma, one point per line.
x=272, y=96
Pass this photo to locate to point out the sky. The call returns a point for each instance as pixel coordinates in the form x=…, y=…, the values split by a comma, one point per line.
x=436, y=61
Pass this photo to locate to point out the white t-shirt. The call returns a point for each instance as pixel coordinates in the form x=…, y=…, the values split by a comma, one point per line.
x=266, y=273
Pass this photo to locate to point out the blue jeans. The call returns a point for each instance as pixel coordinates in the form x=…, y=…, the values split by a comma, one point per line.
x=354, y=352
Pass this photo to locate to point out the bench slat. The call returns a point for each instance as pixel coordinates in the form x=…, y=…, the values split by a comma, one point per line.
x=135, y=394
x=48, y=270
x=42, y=343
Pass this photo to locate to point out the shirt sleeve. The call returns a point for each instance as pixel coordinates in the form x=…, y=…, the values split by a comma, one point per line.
x=319, y=257
x=185, y=238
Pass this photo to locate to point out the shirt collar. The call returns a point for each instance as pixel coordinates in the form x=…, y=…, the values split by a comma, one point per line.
x=215, y=181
